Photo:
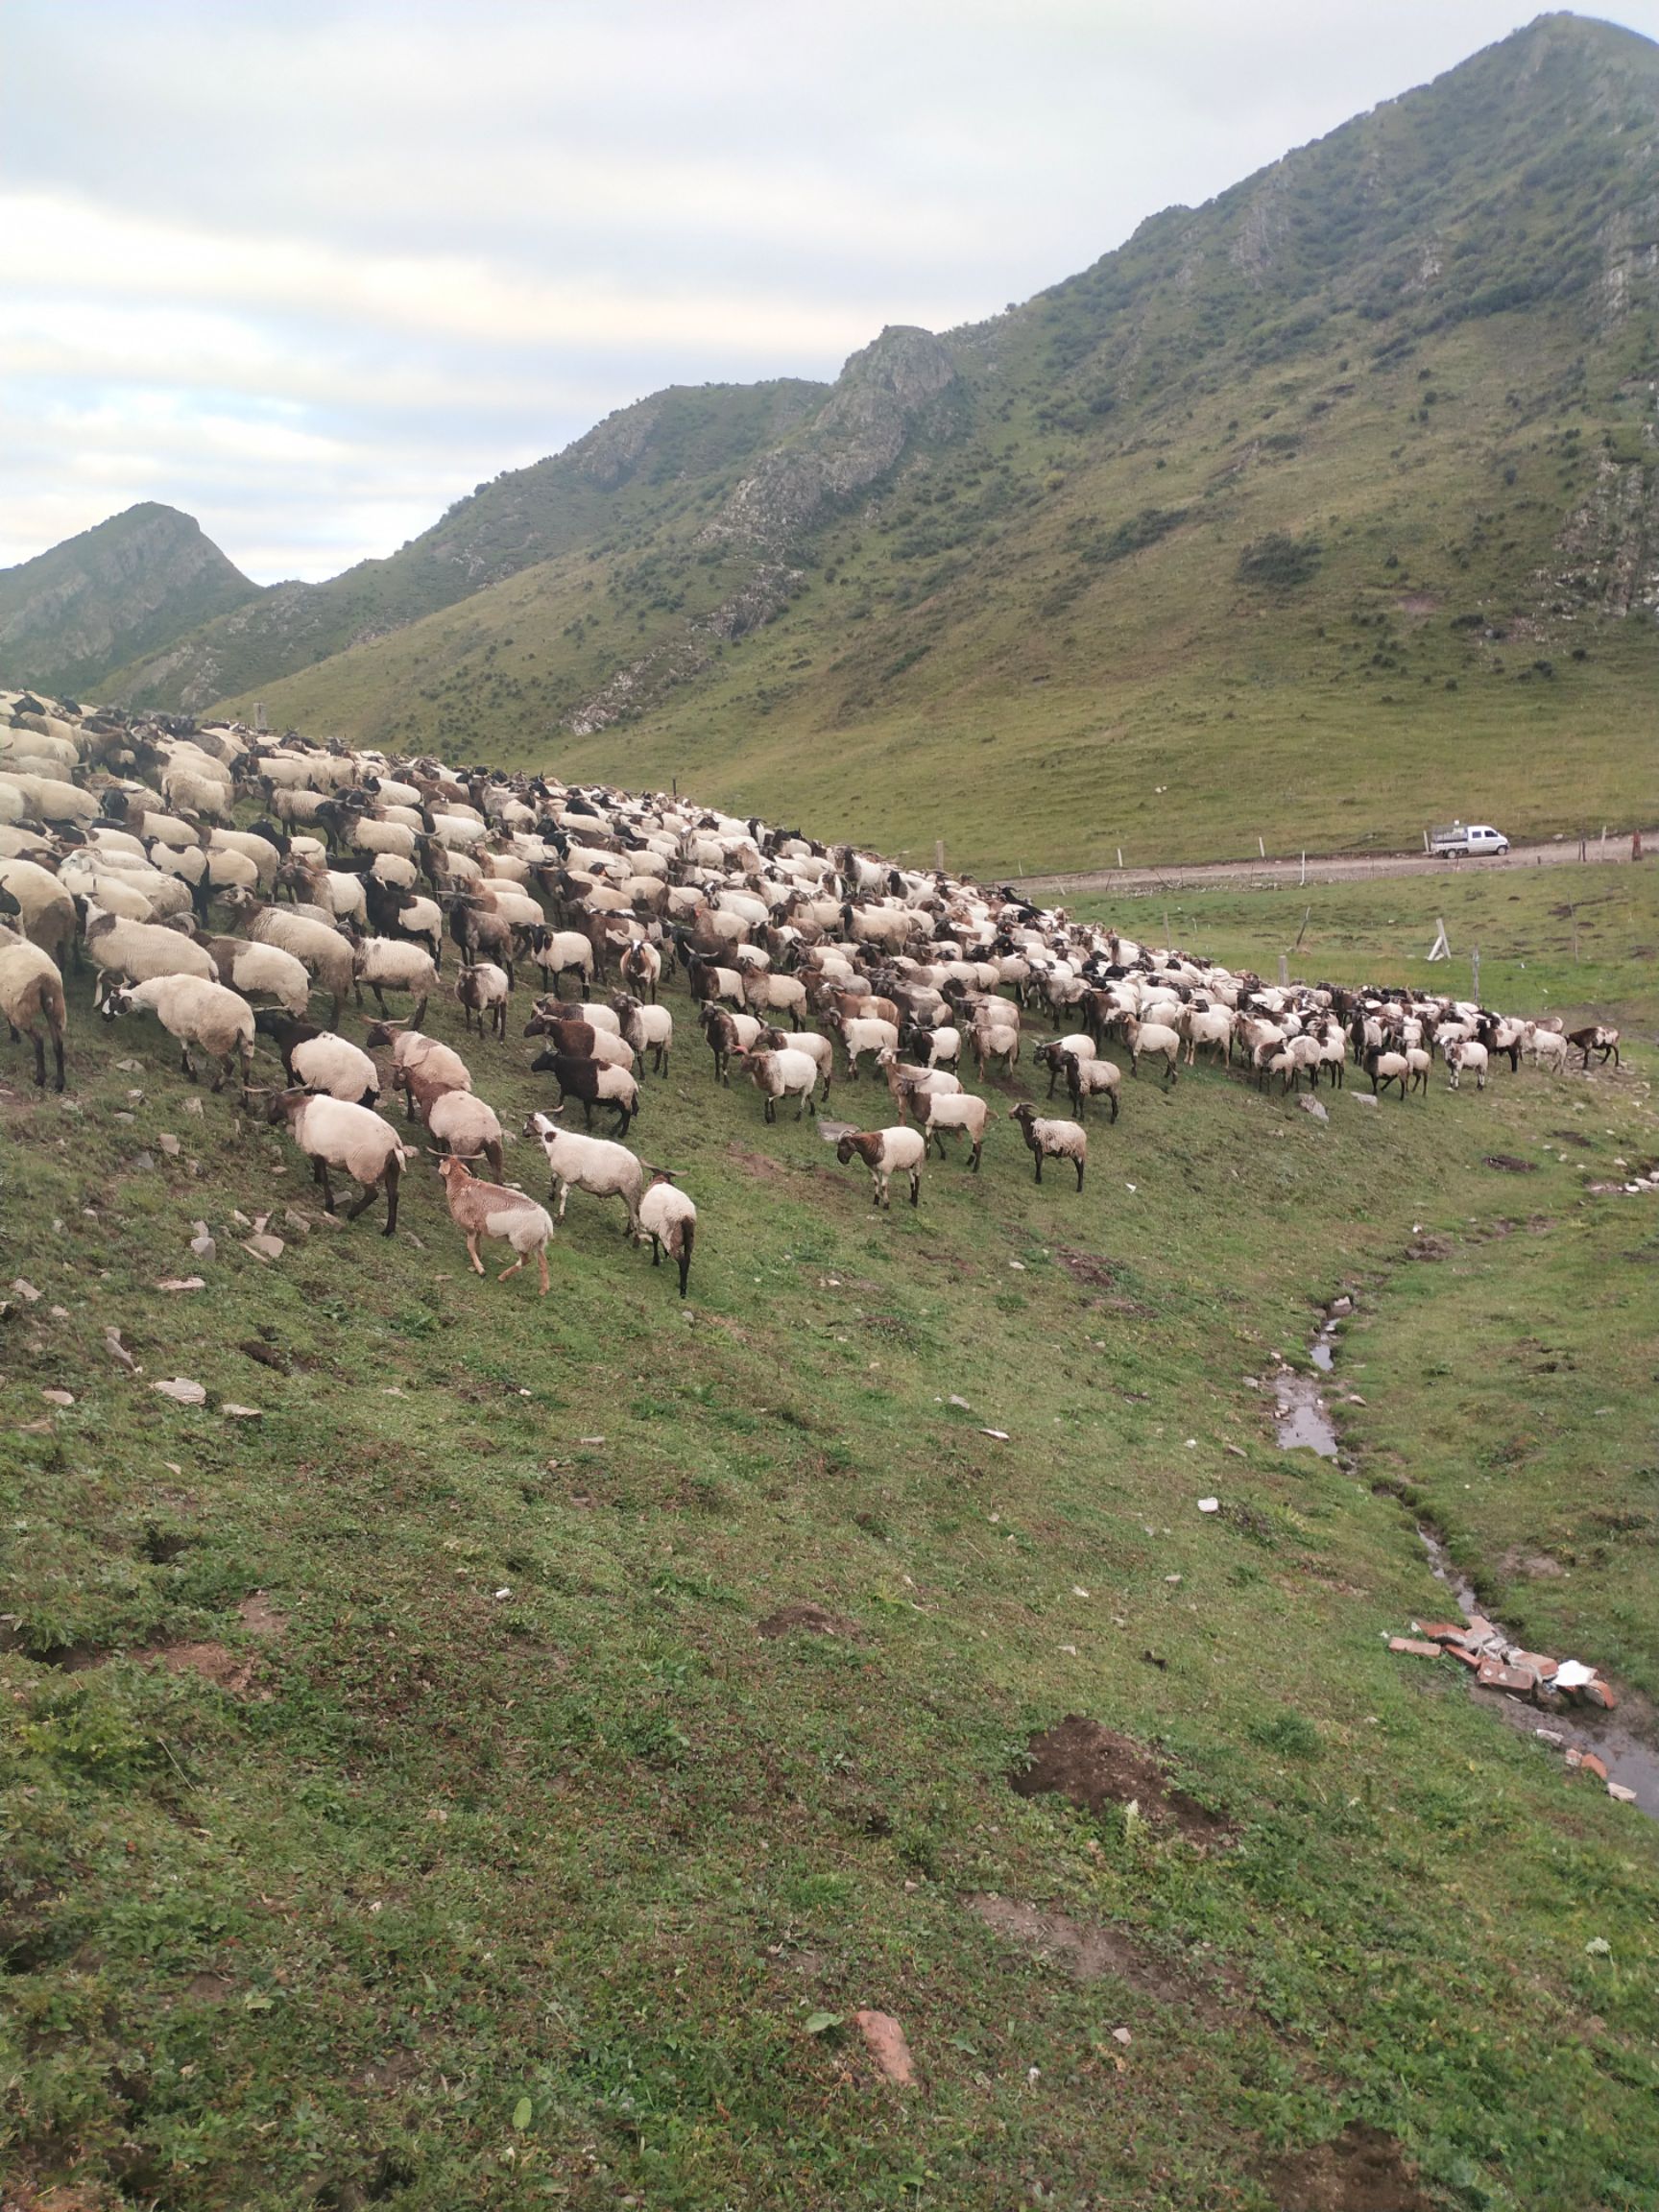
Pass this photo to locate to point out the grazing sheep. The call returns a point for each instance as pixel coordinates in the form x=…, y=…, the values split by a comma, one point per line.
x=785, y=1074
x=1052, y=1140
x=642, y=971
x=459, y=1120
x=668, y=1218
x=124, y=951
x=768, y=993
x=1053, y=1056
x=32, y=993
x=1093, y=1078
x=262, y=968
x=493, y=1209
x=317, y=1060
x=887, y=1152
x=994, y=1039
x=195, y=1012
x=726, y=1033
x=319, y=945
x=1549, y=1048
x=1385, y=1068
x=483, y=989
x=334, y=1134
x=1153, y=1040
x=860, y=1034
x=390, y=964
x=45, y=908
x=412, y=1049
x=943, y=1109
x=1467, y=1055
x=1598, y=1037
x=591, y=1163
x=646, y=1029
x=594, y=1083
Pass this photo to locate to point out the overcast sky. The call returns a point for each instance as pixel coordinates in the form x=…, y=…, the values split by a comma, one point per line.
x=310, y=272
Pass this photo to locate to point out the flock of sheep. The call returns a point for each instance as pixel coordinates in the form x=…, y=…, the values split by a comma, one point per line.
x=198, y=870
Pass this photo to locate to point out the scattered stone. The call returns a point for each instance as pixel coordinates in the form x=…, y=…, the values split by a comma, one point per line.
x=169, y=1144
x=142, y=1162
x=1342, y=1308
x=1363, y=1097
x=1550, y=1736
x=193, y=1106
x=264, y=1247
x=1315, y=1107
x=59, y=1397
x=130, y=1067
x=237, y=1412
x=1238, y=1451
x=1122, y=2035
x=182, y=1282
x=885, y=2039
x=119, y=1350
x=1415, y=1645
x=1000, y=1435
x=953, y=1400
x=26, y=1290
x=293, y=1219
x=182, y=1390
x=1618, y=1790
x=1208, y=1504
x=241, y=1219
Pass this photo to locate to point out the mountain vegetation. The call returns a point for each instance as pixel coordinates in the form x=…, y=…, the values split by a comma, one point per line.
x=1312, y=513
x=124, y=588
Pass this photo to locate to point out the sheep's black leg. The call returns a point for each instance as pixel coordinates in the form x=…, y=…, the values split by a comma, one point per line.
x=915, y=1186
x=1079, y=1174
x=39, y=1043
x=319, y=1174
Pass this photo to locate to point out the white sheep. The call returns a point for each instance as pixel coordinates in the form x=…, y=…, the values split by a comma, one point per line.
x=1050, y=1139
x=650, y=1030
x=263, y=970
x=1465, y=1055
x=1093, y=1078
x=127, y=952
x=595, y=1164
x=887, y=1152
x=484, y=990
x=860, y=1034
x=332, y=1133
x=414, y=1052
x=195, y=1012
x=995, y=1040
x=1547, y=1047
x=1153, y=1040
x=32, y=992
x=941, y=1111
x=334, y=1064
x=45, y=907
x=461, y=1121
x=316, y=943
x=784, y=1074
x=668, y=1218
x=390, y=964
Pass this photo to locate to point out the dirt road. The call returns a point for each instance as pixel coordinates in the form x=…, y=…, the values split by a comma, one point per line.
x=1336, y=868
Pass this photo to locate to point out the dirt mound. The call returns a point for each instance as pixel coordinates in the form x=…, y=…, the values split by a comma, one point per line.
x=1094, y=1767
x=1508, y=1164
x=1090, y=1267
x=259, y=1617
x=1361, y=2169
x=811, y=1620
x=759, y=1165
x=1085, y=1952
x=1429, y=1248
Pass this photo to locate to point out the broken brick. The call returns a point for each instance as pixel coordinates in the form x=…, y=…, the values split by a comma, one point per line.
x=1597, y=1693
x=1415, y=1646
x=1493, y=1674
x=1441, y=1631
x=1591, y=1765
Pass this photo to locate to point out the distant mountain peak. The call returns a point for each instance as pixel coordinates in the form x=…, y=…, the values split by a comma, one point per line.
x=128, y=585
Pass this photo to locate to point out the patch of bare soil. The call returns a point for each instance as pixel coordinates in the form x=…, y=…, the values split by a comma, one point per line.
x=1536, y=1566
x=759, y=1164
x=1428, y=1248
x=1085, y=1952
x=228, y=1670
x=1361, y=2169
x=1090, y=1267
x=1094, y=1767
x=259, y=1617
x=811, y=1620
x=208, y=1988
x=1507, y=1163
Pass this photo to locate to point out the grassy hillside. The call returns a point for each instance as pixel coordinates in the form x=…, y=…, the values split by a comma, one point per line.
x=1312, y=514
x=490, y=1856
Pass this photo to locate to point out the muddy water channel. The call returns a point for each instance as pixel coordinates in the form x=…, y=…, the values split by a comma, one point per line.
x=1304, y=1422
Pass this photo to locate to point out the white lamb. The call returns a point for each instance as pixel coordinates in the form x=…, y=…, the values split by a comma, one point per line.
x=942, y=1111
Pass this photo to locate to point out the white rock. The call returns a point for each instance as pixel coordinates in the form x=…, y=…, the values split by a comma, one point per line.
x=183, y=1389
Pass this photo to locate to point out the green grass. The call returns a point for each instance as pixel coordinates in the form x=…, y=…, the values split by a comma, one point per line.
x=597, y=1847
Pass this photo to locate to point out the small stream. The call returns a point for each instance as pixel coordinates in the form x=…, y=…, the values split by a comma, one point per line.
x=1304, y=1422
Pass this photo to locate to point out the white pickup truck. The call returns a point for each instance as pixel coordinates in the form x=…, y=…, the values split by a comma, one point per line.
x=1465, y=840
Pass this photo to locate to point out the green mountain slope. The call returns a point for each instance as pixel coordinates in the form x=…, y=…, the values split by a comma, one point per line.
x=128, y=587
x=1307, y=514
x=652, y=457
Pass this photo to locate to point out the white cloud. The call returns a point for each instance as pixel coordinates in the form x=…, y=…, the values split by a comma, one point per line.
x=310, y=269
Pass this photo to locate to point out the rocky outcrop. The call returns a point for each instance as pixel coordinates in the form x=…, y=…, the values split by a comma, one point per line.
x=678, y=659
x=1610, y=546
x=879, y=399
